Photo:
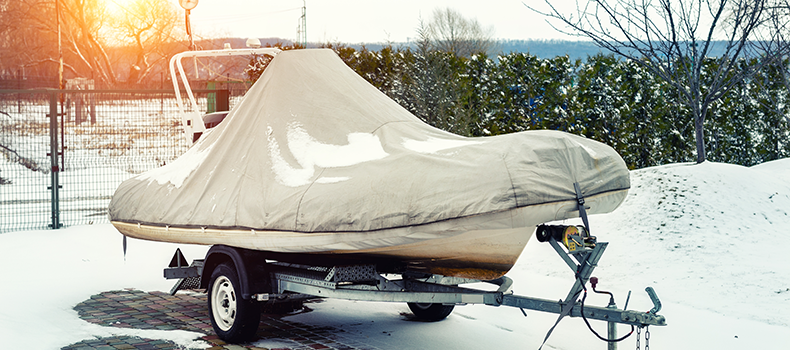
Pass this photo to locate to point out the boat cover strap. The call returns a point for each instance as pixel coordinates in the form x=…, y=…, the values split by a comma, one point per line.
x=566, y=310
x=580, y=201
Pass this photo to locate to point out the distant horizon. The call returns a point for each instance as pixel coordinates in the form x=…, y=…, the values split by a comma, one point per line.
x=581, y=40
x=358, y=21
x=544, y=48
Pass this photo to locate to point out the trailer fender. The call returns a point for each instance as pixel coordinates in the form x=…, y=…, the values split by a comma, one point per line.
x=219, y=254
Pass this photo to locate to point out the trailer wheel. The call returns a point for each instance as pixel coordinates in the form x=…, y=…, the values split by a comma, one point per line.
x=430, y=311
x=234, y=319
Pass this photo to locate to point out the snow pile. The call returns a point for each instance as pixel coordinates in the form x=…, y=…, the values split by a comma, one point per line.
x=710, y=238
x=711, y=231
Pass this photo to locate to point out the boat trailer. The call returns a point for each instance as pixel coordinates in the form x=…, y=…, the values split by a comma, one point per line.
x=260, y=277
x=430, y=297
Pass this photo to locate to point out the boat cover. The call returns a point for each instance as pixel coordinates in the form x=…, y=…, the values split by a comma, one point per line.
x=313, y=147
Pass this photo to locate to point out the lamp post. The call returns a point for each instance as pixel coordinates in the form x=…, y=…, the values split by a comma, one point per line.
x=188, y=5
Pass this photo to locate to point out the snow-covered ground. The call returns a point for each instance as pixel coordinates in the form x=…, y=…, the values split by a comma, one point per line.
x=712, y=239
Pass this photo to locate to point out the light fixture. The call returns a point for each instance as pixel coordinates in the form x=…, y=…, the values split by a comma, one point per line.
x=188, y=4
x=253, y=43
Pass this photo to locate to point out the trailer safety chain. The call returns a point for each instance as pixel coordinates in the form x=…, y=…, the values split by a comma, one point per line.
x=647, y=337
x=638, y=335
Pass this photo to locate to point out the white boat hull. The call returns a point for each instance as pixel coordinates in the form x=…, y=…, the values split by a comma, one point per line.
x=482, y=246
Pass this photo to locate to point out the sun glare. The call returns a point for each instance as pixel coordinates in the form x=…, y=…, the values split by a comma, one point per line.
x=116, y=6
x=120, y=6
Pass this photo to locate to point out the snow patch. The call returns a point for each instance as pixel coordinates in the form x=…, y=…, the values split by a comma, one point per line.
x=310, y=153
x=177, y=171
x=434, y=145
x=331, y=180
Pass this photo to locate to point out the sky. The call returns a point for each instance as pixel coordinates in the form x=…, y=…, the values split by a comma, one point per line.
x=357, y=21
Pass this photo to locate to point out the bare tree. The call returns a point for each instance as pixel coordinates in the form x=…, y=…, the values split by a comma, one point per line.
x=95, y=40
x=147, y=25
x=449, y=31
x=676, y=40
x=83, y=27
x=26, y=46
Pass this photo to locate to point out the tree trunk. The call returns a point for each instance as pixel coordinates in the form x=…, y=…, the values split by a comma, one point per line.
x=700, y=138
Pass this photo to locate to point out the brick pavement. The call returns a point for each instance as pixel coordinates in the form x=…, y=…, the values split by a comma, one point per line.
x=189, y=312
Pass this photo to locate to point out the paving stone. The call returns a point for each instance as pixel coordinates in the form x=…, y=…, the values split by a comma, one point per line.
x=158, y=310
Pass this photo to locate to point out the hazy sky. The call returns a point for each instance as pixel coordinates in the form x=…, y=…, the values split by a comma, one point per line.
x=354, y=21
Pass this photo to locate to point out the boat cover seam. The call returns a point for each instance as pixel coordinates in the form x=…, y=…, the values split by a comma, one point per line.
x=299, y=205
x=380, y=229
x=512, y=185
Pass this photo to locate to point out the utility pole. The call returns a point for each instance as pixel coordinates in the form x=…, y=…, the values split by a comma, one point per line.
x=301, y=31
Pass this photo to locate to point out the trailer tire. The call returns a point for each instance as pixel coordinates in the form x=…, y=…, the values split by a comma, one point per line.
x=234, y=319
x=430, y=311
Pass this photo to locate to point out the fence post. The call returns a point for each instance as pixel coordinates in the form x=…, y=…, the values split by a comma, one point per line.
x=53, y=156
x=161, y=96
x=211, y=101
x=19, y=87
x=223, y=100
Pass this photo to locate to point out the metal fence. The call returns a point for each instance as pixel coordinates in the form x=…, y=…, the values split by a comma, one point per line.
x=62, y=171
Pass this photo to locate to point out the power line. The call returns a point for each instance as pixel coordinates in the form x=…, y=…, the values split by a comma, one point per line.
x=232, y=18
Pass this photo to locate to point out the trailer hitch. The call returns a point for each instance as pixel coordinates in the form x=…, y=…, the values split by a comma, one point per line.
x=654, y=298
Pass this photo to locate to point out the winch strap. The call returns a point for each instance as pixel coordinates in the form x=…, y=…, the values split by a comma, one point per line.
x=580, y=205
x=566, y=310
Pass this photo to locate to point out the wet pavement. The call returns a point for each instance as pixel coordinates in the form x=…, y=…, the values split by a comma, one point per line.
x=161, y=311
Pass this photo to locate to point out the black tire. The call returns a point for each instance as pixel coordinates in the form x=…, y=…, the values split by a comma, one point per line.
x=543, y=233
x=234, y=319
x=430, y=311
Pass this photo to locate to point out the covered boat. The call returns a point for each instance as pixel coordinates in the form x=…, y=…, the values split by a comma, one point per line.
x=316, y=163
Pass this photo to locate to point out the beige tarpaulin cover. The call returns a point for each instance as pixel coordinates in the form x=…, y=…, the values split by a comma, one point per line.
x=314, y=148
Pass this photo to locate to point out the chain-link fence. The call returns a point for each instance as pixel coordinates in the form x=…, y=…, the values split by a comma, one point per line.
x=63, y=171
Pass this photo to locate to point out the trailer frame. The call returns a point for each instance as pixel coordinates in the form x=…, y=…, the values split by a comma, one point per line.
x=266, y=280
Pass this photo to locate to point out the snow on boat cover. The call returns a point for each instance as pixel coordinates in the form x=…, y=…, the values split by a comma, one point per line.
x=315, y=160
